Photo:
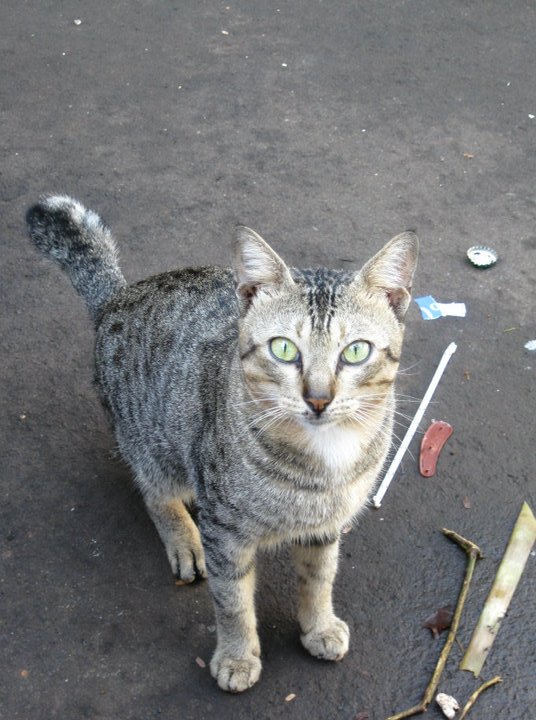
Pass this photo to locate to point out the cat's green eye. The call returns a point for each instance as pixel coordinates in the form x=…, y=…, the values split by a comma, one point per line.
x=284, y=349
x=355, y=353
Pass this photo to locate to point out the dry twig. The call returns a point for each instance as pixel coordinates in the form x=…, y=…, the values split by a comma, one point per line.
x=473, y=553
x=472, y=700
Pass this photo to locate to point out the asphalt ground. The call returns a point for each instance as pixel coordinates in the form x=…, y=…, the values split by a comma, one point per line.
x=328, y=127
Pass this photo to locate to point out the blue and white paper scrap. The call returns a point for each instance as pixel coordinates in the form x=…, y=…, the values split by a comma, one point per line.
x=431, y=309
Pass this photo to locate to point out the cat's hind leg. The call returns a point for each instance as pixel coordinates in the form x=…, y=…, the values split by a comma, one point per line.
x=180, y=536
x=323, y=634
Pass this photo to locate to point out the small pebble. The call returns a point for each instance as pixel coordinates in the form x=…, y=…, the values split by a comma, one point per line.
x=448, y=704
x=77, y=21
x=290, y=697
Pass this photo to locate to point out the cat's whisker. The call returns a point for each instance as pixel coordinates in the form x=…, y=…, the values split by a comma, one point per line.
x=396, y=437
x=407, y=398
x=272, y=423
x=399, y=397
x=395, y=412
x=256, y=401
x=364, y=419
x=268, y=420
x=260, y=417
x=363, y=416
x=404, y=371
x=400, y=424
x=403, y=415
x=432, y=402
x=372, y=396
x=274, y=411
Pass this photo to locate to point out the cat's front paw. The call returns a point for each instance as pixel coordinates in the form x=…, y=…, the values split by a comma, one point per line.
x=235, y=674
x=185, y=552
x=186, y=557
x=329, y=642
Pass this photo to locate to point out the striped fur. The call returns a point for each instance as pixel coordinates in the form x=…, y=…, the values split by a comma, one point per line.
x=203, y=409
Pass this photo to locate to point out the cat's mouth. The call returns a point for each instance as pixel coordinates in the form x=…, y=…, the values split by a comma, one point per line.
x=315, y=420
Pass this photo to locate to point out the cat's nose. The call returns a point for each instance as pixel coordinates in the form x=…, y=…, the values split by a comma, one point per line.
x=317, y=403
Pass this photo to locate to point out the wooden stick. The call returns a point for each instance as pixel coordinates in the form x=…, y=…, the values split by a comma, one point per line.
x=473, y=553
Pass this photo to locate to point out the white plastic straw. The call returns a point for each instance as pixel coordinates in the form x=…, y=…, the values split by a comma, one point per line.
x=377, y=499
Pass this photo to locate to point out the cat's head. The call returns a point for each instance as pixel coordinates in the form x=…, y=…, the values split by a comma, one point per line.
x=321, y=347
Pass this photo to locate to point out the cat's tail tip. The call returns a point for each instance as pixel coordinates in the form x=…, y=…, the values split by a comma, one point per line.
x=77, y=239
x=54, y=220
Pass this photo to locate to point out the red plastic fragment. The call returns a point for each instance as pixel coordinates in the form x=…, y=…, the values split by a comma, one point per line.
x=431, y=445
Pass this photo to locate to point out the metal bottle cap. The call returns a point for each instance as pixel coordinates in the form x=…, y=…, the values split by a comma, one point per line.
x=481, y=256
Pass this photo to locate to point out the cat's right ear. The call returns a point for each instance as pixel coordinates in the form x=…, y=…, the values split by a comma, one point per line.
x=258, y=269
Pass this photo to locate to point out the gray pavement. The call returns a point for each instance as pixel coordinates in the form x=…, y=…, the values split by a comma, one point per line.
x=328, y=127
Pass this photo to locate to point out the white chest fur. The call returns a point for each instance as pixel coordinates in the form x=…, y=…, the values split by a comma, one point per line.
x=338, y=447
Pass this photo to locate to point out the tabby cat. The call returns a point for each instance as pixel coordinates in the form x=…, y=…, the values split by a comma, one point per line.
x=264, y=393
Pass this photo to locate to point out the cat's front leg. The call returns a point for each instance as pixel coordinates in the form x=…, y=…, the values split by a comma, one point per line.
x=236, y=662
x=324, y=635
x=180, y=536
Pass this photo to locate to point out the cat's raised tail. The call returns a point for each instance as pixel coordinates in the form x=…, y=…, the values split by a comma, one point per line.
x=77, y=239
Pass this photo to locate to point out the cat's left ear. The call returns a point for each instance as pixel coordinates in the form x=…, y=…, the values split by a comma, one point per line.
x=257, y=267
x=390, y=271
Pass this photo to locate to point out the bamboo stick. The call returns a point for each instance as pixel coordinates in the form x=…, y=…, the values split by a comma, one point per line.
x=503, y=588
